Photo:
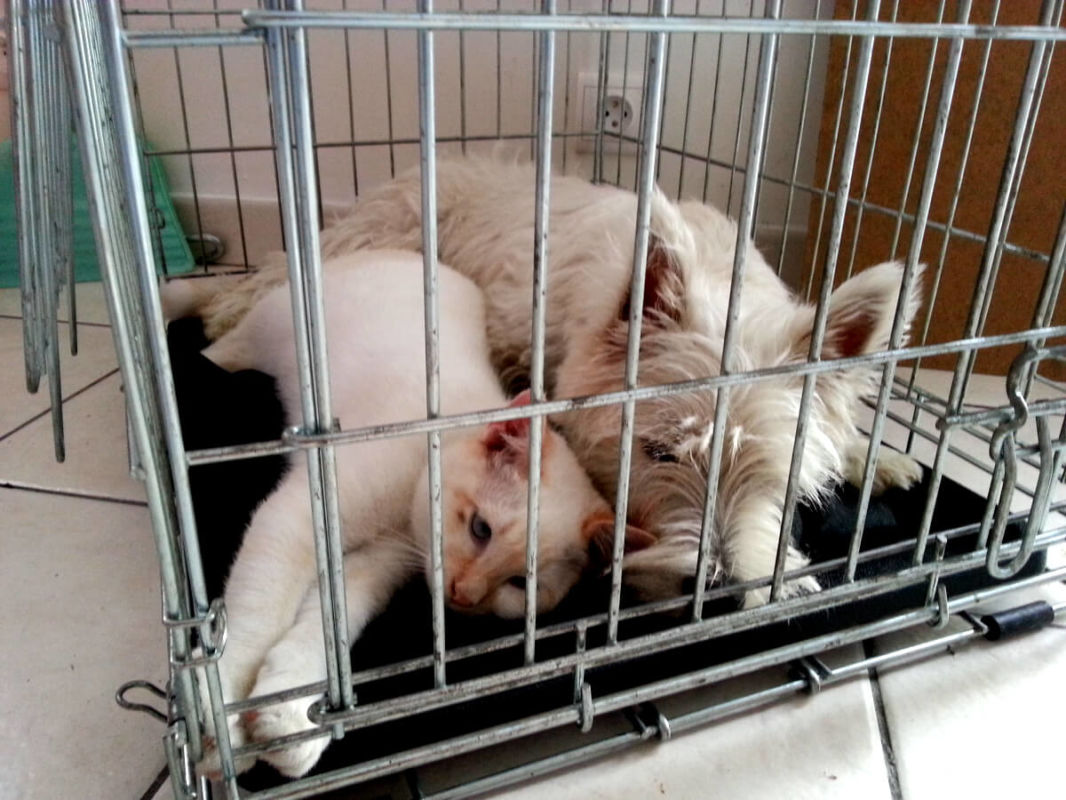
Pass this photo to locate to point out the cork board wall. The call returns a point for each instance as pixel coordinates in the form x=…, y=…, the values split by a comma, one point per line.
x=1042, y=193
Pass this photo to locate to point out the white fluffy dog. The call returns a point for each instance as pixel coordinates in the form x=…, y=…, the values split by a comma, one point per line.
x=485, y=225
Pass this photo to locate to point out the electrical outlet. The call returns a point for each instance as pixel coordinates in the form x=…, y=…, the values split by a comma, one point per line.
x=618, y=116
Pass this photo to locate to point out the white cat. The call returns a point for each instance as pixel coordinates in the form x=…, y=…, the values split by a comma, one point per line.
x=374, y=310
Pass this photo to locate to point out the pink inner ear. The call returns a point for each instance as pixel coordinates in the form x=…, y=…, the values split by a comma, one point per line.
x=511, y=436
x=523, y=398
x=851, y=336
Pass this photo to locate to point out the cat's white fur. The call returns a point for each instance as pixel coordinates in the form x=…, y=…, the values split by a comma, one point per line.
x=485, y=226
x=374, y=311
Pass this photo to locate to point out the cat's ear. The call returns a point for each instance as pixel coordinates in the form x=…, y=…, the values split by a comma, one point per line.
x=509, y=439
x=862, y=311
x=598, y=530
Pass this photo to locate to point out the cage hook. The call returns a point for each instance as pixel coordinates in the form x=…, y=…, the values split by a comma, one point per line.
x=148, y=686
x=943, y=615
x=582, y=690
x=932, y=592
x=586, y=714
x=1050, y=461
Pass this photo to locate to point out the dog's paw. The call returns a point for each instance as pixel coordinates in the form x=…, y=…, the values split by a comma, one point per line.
x=796, y=588
x=894, y=470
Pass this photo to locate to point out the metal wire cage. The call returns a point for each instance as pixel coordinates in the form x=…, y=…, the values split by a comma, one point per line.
x=834, y=133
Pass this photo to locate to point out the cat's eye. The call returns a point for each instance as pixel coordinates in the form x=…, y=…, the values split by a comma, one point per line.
x=518, y=581
x=480, y=529
x=658, y=452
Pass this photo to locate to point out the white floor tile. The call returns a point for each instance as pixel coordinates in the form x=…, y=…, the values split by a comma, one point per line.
x=985, y=722
x=80, y=590
x=96, y=358
x=825, y=746
x=91, y=305
x=96, y=462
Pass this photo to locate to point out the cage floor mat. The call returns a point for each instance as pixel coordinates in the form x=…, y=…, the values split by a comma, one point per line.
x=219, y=408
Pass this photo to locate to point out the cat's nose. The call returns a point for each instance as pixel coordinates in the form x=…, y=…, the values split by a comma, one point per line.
x=460, y=595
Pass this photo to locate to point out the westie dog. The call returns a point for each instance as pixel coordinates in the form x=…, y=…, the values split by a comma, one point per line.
x=485, y=227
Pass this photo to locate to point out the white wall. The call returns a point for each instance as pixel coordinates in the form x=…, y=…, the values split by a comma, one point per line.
x=485, y=84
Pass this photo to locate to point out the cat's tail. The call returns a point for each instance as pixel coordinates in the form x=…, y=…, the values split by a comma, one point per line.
x=220, y=300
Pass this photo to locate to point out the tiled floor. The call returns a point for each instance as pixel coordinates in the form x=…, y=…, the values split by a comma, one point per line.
x=79, y=589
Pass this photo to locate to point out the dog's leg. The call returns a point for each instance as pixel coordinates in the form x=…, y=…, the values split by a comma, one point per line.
x=751, y=551
x=894, y=470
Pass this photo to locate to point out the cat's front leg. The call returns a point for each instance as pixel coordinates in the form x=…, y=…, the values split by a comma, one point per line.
x=264, y=592
x=372, y=574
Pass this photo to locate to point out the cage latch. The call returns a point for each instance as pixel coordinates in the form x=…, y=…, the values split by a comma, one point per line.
x=148, y=686
x=1003, y=447
x=182, y=774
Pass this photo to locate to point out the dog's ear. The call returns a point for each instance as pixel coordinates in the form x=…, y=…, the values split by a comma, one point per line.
x=664, y=289
x=862, y=309
x=664, y=283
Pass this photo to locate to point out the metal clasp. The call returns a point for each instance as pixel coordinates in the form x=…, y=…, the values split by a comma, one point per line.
x=212, y=630
x=586, y=712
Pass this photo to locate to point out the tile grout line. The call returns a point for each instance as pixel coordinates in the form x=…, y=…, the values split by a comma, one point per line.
x=887, y=750
x=66, y=399
x=103, y=498
x=64, y=322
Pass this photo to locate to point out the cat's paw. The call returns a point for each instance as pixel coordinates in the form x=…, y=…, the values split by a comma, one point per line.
x=285, y=719
x=211, y=763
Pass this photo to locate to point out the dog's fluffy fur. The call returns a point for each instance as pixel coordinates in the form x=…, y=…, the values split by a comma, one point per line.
x=485, y=226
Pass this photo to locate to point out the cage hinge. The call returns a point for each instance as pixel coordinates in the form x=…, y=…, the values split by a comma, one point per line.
x=936, y=591
x=212, y=630
x=810, y=670
x=649, y=721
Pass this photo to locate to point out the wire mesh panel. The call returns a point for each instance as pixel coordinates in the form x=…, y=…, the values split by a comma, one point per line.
x=835, y=135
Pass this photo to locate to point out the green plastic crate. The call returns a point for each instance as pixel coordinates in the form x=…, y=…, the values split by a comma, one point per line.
x=176, y=255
